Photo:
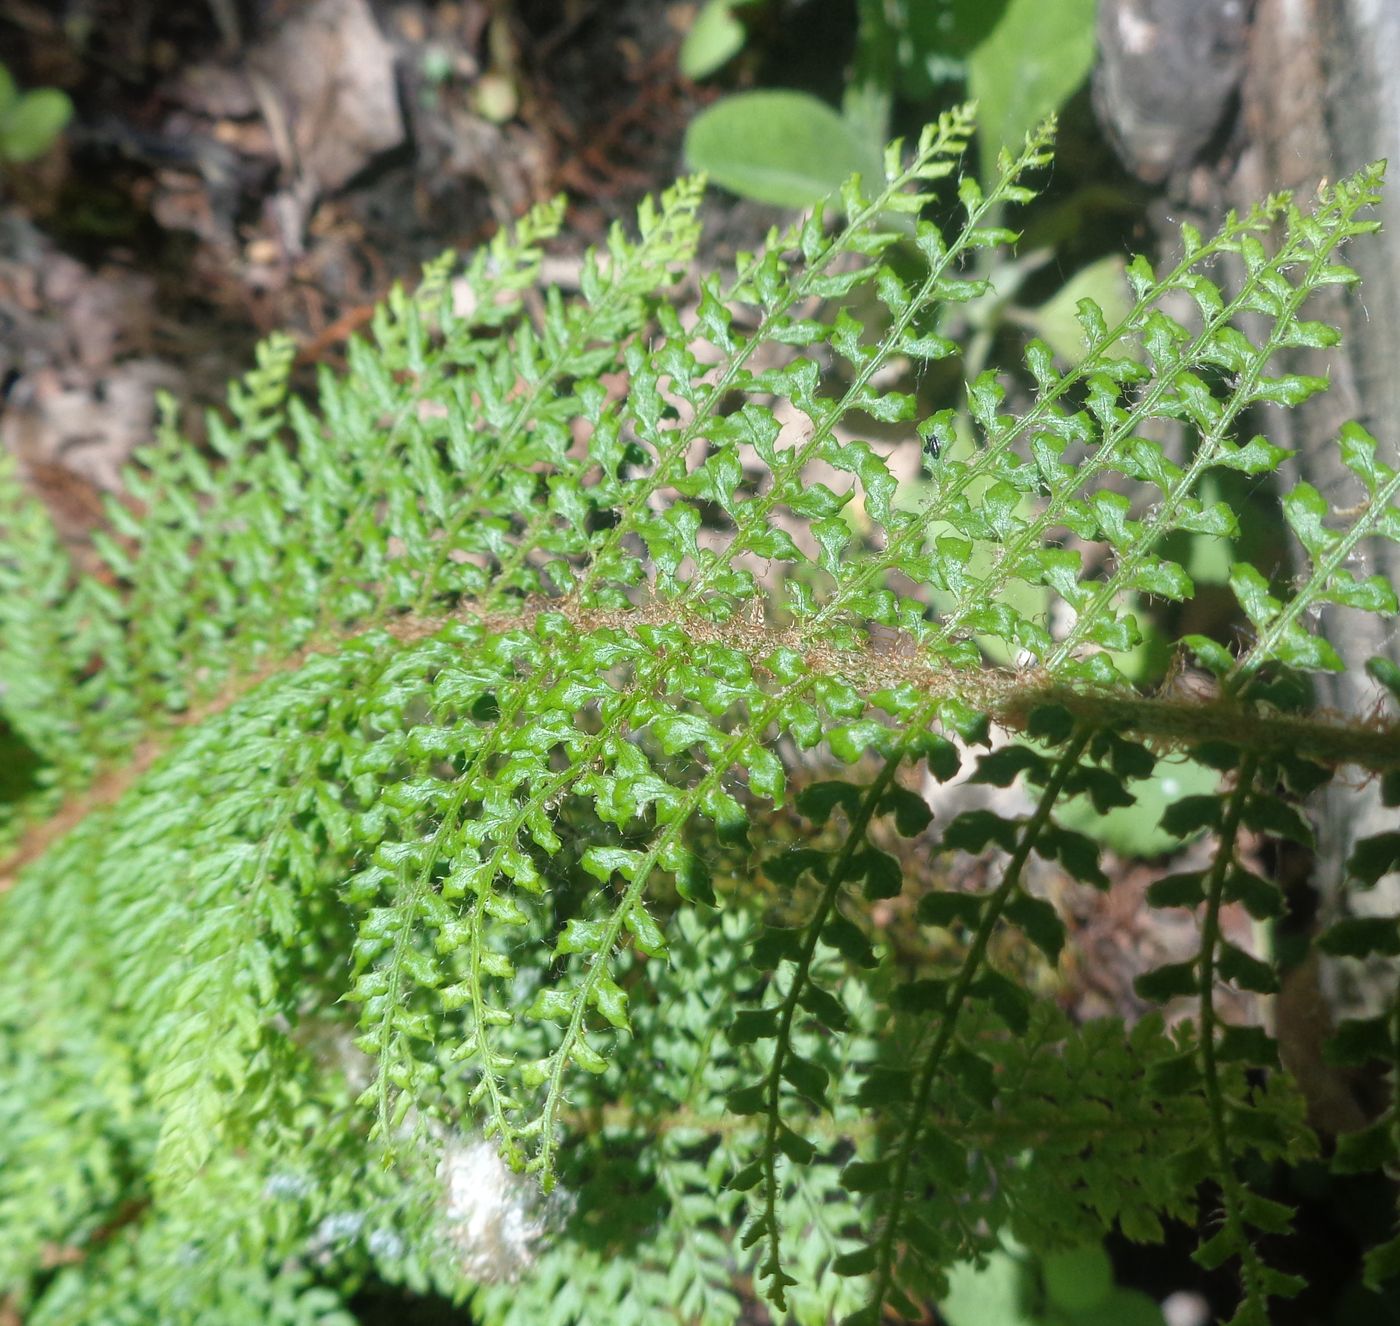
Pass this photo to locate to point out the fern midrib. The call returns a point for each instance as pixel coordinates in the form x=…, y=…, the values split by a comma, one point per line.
x=617, y=295
x=756, y=510
x=782, y=1046
x=1265, y=648
x=631, y=896
x=982, y=1131
x=1228, y=1180
x=946, y=144
x=242, y=929
x=406, y=910
x=215, y=1007
x=995, y=904
x=426, y=388
x=1160, y=519
x=899, y=539
x=150, y=600
x=1007, y=696
x=490, y=871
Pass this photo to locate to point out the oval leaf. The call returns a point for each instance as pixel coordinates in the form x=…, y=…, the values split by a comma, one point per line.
x=784, y=148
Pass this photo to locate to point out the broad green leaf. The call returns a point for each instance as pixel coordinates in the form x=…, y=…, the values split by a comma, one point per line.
x=1136, y=830
x=1060, y=319
x=31, y=124
x=1119, y=1307
x=714, y=38
x=1078, y=1278
x=1026, y=68
x=784, y=148
x=935, y=39
x=1002, y=1291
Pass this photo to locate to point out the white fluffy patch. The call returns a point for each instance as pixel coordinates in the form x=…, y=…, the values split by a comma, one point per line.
x=494, y=1216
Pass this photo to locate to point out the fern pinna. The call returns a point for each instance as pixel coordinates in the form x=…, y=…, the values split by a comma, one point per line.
x=519, y=753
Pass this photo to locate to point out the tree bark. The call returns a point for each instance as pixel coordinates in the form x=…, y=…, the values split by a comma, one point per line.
x=1316, y=99
x=1319, y=102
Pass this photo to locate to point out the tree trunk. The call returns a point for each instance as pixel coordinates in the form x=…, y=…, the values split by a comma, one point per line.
x=1319, y=101
x=1316, y=99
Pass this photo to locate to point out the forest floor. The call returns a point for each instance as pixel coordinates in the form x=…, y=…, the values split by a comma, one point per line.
x=225, y=177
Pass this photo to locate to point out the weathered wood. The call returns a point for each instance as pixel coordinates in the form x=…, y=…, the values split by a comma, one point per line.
x=1166, y=78
x=1317, y=99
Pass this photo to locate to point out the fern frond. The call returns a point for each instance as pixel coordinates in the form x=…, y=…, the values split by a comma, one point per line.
x=439, y=735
